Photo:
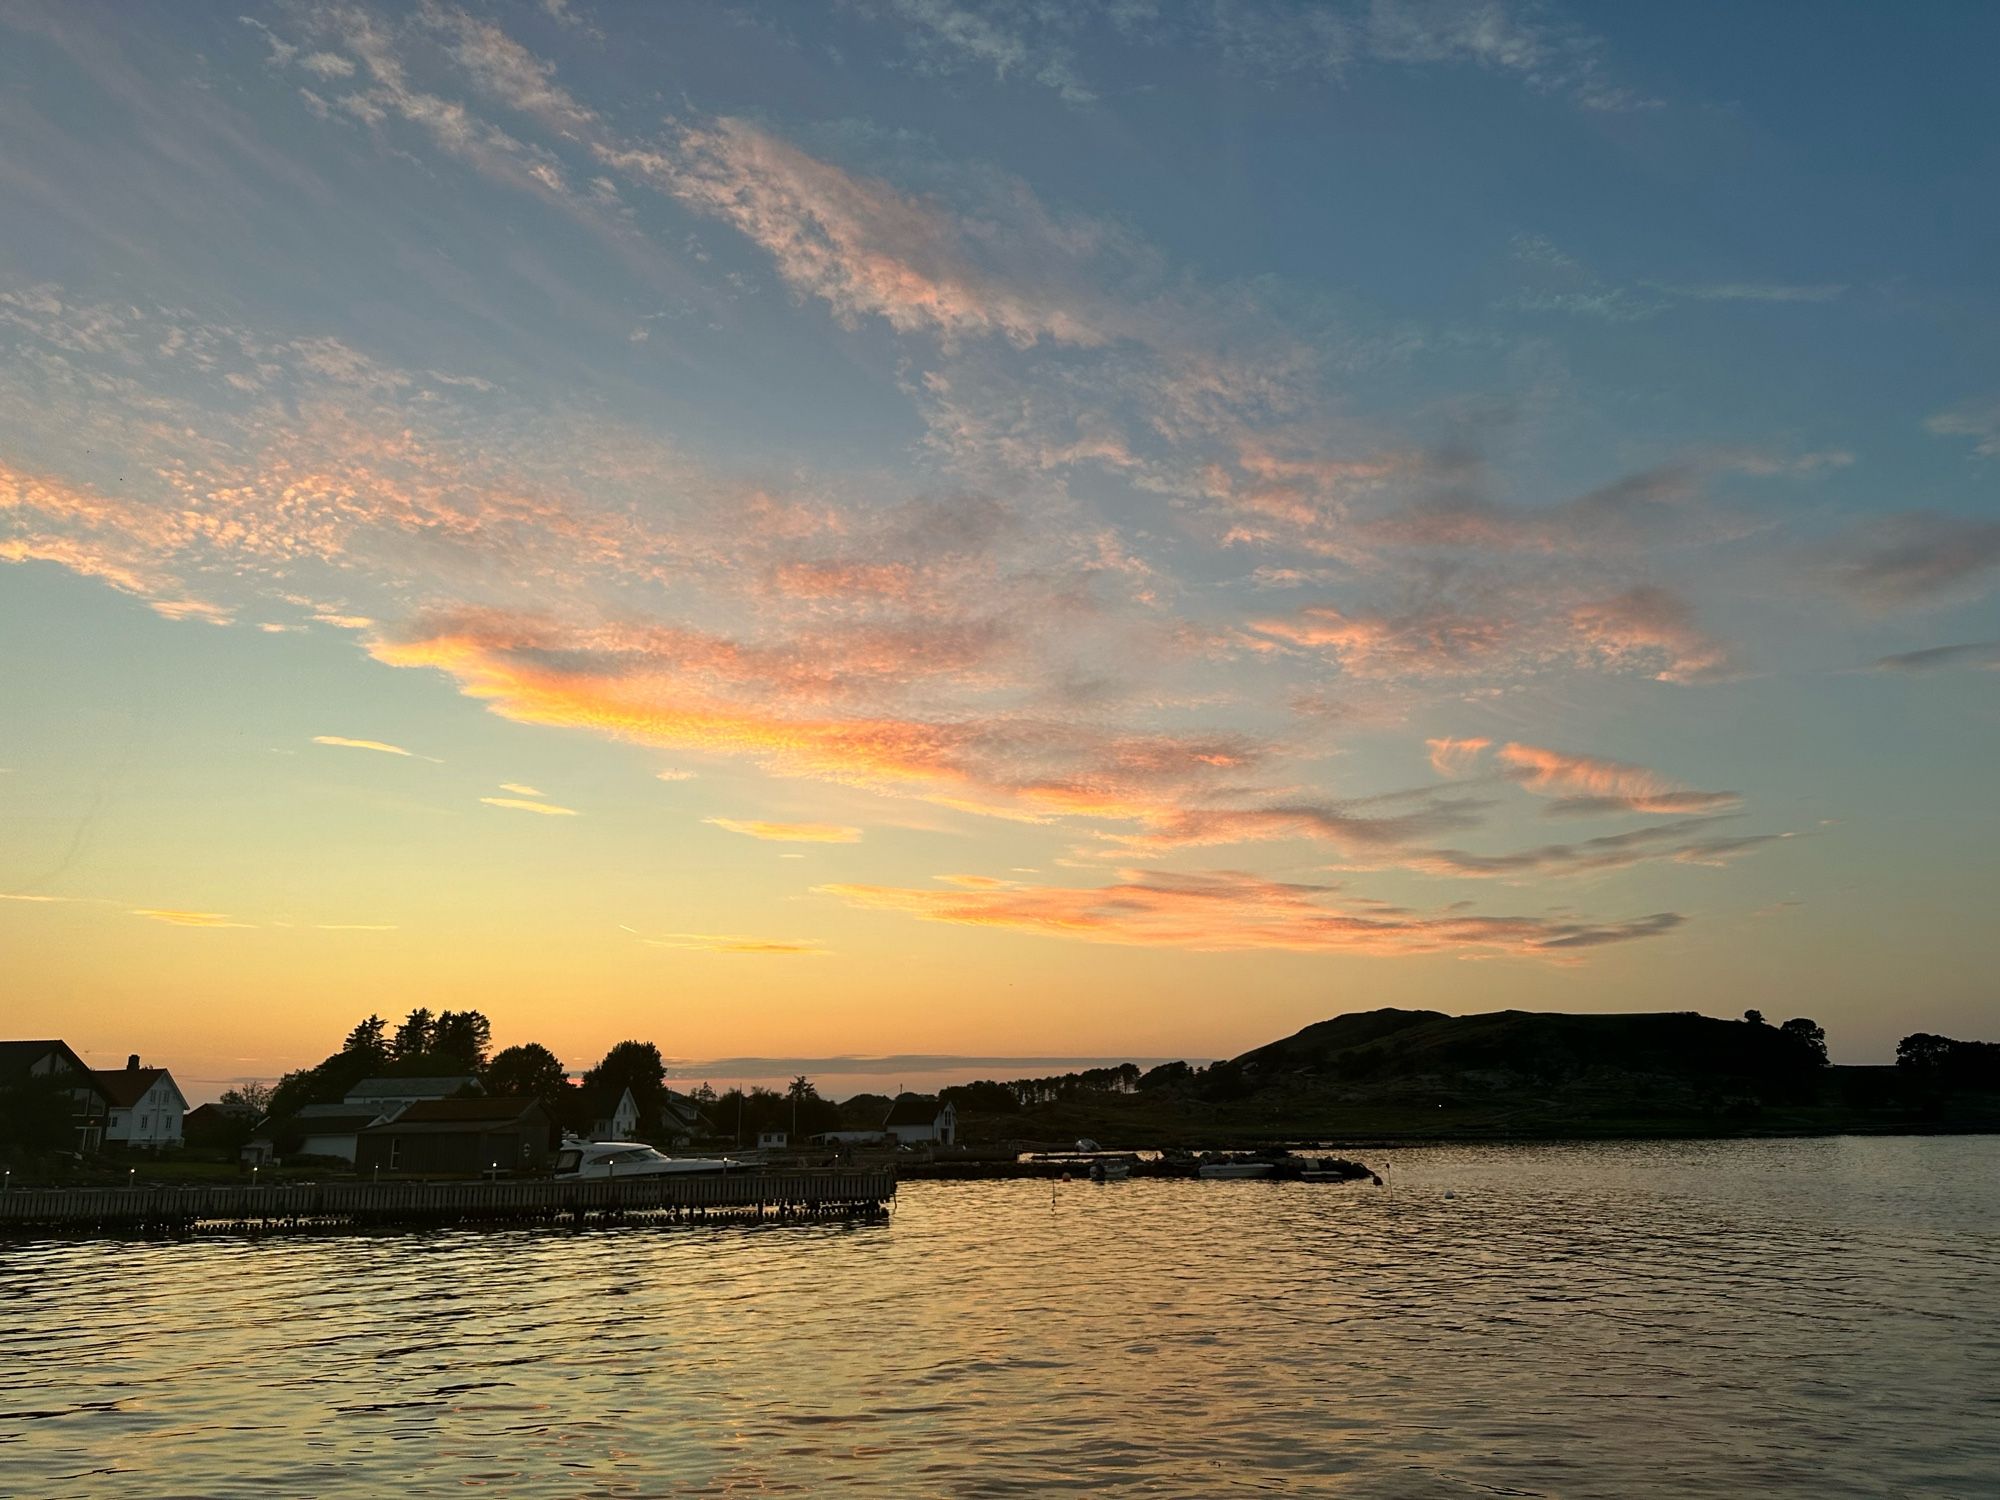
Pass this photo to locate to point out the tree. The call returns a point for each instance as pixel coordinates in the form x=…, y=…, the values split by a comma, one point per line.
x=413, y=1037
x=365, y=1040
x=38, y=1114
x=528, y=1070
x=254, y=1095
x=1754, y=1017
x=1811, y=1035
x=639, y=1067
x=1167, y=1075
x=460, y=1038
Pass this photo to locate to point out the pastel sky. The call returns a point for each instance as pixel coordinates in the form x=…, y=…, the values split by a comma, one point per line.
x=1014, y=529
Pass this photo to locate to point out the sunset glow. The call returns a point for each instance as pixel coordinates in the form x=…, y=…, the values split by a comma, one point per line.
x=851, y=532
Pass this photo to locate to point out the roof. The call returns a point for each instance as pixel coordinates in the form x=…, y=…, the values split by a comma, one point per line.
x=217, y=1110
x=331, y=1111
x=125, y=1087
x=679, y=1109
x=16, y=1058
x=462, y=1112
x=914, y=1109
x=602, y=1101
x=411, y=1088
x=343, y=1122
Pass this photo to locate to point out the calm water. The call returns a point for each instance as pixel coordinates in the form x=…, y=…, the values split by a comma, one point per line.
x=1816, y=1318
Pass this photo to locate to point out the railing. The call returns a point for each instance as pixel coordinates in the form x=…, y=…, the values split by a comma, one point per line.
x=803, y=1194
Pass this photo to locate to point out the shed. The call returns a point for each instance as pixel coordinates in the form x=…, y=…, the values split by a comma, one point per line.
x=921, y=1119
x=462, y=1138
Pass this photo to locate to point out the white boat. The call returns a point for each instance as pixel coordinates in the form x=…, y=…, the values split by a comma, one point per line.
x=583, y=1159
x=1110, y=1169
x=1236, y=1169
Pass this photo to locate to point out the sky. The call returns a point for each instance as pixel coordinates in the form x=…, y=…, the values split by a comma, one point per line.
x=993, y=531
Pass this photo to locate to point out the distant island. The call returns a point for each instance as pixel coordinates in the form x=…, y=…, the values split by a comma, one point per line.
x=431, y=1096
x=1420, y=1075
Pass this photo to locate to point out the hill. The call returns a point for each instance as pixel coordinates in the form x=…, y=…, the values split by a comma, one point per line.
x=1423, y=1075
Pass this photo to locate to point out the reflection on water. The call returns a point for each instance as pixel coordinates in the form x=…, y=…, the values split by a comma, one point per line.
x=1810, y=1318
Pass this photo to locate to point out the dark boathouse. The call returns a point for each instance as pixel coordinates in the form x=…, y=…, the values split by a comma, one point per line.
x=461, y=1138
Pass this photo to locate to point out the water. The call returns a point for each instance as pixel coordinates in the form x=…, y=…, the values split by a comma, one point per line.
x=1805, y=1318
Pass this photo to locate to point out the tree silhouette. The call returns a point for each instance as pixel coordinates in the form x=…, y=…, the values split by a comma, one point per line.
x=1811, y=1035
x=365, y=1040
x=413, y=1037
x=252, y=1095
x=528, y=1070
x=639, y=1067
x=461, y=1037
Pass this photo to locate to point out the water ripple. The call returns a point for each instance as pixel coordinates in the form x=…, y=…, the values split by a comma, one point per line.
x=1813, y=1318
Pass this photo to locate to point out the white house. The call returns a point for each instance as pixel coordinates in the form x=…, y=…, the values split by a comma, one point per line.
x=920, y=1119
x=611, y=1117
x=146, y=1106
x=773, y=1140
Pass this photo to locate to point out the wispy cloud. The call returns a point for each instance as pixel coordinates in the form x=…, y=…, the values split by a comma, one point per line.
x=522, y=789
x=713, y=942
x=1676, y=841
x=1654, y=628
x=523, y=804
x=1984, y=654
x=178, y=918
x=381, y=747
x=1231, y=911
x=789, y=833
x=357, y=926
x=1914, y=559
x=1454, y=757
x=1977, y=419
x=1590, y=784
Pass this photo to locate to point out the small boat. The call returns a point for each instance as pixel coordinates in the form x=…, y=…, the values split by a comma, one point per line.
x=1215, y=1169
x=1110, y=1169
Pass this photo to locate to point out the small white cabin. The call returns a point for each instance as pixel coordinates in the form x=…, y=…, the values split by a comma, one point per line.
x=921, y=1120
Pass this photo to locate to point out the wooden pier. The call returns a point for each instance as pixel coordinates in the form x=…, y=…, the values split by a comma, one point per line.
x=332, y=1206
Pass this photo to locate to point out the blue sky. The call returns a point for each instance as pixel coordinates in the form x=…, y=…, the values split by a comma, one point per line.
x=1007, y=529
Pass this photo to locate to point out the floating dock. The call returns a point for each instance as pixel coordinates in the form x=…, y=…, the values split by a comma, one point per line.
x=332, y=1206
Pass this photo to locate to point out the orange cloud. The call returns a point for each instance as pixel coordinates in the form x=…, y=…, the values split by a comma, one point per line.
x=789, y=833
x=1454, y=757
x=1588, y=784
x=188, y=918
x=1231, y=911
x=1423, y=644
x=1650, y=627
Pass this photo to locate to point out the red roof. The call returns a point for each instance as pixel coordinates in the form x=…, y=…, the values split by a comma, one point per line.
x=125, y=1087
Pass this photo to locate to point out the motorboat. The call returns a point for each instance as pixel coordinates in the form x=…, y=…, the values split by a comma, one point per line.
x=585, y=1159
x=1237, y=1169
x=1111, y=1169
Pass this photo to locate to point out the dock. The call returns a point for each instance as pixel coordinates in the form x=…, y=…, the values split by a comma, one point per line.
x=308, y=1207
